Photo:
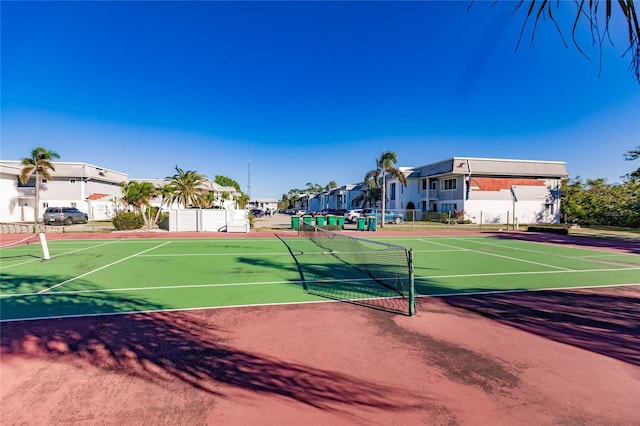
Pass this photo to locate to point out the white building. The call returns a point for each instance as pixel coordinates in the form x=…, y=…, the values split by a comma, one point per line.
x=484, y=190
x=90, y=188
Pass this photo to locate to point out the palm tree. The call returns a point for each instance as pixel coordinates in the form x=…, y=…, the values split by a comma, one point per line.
x=377, y=178
x=39, y=164
x=166, y=197
x=139, y=195
x=188, y=187
x=592, y=13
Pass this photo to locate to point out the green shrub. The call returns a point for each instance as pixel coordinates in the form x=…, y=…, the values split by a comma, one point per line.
x=127, y=220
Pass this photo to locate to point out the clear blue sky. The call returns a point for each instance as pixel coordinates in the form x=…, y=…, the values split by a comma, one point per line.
x=309, y=91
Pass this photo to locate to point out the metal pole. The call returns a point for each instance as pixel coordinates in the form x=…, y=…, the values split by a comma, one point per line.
x=412, y=286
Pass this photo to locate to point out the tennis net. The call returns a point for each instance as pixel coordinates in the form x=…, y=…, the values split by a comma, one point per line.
x=356, y=270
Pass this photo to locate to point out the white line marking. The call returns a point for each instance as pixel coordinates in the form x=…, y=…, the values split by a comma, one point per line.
x=496, y=274
x=102, y=267
x=296, y=303
x=480, y=293
x=585, y=258
x=59, y=255
x=499, y=255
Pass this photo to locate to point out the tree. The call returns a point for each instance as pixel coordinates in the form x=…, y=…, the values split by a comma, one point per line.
x=226, y=181
x=40, y=164
x=377, y=178
x=633, y=155
x=166, y=197
x=139, y=196
x=331, y=185
x=188, y=187
x=590, y=11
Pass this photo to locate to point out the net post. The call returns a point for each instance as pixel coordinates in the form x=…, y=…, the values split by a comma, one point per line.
x=45, y=247
x=412, y=286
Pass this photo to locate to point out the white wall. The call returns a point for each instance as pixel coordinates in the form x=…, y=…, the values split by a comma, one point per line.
x=208, y=220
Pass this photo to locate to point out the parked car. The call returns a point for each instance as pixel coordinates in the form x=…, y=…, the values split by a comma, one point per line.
x=389, y=216
x=352, y=215
x=256, y=212
x=334, y=212
x=64, y=215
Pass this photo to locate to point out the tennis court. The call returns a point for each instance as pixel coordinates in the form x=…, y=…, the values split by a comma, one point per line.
x=508, y=328
x=87, y=277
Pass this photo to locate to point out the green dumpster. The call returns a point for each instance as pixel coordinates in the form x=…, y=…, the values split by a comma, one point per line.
x=295, y=222
x=360, y=223
x=307, y=219
x=372, y=223
x=341, y=222
x=332, y=220
x=320, y=220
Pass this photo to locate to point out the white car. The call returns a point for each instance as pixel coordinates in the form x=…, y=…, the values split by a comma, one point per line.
x=352, y=215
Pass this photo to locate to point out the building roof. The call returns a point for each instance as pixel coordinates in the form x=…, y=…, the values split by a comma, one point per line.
x=496, y=167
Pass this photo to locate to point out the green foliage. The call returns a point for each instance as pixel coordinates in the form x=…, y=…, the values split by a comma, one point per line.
x=596, y=202
x=127, y=221
x=226, y=181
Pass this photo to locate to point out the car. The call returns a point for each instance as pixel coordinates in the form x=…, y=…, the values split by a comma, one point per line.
x=352, y=215
x=64, y=215
x=389, y=216
x=334, y=212
x=256, y=212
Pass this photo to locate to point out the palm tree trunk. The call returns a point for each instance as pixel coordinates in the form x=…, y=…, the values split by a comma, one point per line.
x=36, y=208
x=384, y=195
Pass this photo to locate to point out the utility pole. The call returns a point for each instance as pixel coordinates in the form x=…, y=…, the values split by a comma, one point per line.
x=249, y=183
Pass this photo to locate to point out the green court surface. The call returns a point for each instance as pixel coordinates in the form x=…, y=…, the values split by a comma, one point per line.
x=93, y=277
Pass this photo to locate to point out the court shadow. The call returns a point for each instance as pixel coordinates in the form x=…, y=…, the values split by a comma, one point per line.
x=158, y=346
x=608, y=324
x=579, y=241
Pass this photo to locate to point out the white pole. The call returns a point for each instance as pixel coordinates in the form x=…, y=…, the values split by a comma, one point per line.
x=45, y=248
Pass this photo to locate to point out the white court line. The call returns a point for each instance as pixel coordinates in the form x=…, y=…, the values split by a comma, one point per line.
x=59, y=255
x=102, y=267
x=215, y=254
x=174, y=287
x=533, y=290
x=499, y=255
x=497, y=274
x=200, y=308
x=583, y=258
x=242, y=284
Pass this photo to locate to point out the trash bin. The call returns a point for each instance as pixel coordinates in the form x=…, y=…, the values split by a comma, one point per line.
x=307, y=219
x=360, y=223
x=295, y=222
x=341, y=222
x=332, y=220
x=372, y=223
x=320, y=220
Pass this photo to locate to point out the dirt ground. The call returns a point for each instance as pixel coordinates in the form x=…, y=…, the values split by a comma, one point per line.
x=570, y=357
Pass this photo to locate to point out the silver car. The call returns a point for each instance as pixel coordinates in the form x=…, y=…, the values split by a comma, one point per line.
x=64, y=215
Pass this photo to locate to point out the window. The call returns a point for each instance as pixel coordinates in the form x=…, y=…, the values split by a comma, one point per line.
x=549, y=208
x=72, y=181
x=45, y=205
x=433, y=185
x=448, y=207
x=74, y=204
x=43, y=181
x=393, y=191
x=30, y=184
x=424, y=184
x=449, y=184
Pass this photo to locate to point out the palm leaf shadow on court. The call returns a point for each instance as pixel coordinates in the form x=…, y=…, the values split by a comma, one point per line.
x=604, y=321
x=156, y=345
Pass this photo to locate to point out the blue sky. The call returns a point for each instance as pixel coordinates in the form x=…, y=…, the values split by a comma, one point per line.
x=309, y=91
